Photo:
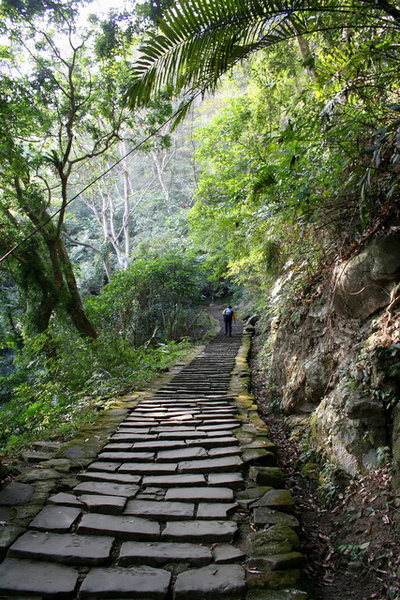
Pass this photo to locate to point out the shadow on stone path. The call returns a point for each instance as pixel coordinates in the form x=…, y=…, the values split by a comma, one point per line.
x=183, y=501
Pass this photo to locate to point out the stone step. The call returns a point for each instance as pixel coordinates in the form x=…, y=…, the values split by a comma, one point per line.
x=120, y=582
x=217, y=582
x=200, y=531
x=122, y=527
x=162, y=553
x=19, y=577
x=65, y=548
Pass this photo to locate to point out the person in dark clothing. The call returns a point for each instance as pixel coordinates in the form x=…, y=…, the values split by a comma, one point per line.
x=229, y=316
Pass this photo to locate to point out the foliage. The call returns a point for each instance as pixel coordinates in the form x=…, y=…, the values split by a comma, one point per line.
x=157, y=297
x=52, y=397
x=197, y=42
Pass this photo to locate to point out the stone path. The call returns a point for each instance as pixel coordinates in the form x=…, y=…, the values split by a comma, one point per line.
x=184, y=501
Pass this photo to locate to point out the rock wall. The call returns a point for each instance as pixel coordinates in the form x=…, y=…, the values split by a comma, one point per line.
x=335, y=360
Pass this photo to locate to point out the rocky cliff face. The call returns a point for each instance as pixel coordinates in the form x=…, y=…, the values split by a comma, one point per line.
x=335, y=360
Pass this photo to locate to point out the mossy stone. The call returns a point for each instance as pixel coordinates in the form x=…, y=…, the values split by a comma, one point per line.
x=275, y=580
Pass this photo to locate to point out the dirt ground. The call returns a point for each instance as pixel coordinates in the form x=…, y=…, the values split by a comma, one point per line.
x=351, y=536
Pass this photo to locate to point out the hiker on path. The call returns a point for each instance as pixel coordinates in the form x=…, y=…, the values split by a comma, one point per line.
x=229, y=315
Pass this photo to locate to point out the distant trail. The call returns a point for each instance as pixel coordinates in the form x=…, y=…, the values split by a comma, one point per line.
x=169, y=508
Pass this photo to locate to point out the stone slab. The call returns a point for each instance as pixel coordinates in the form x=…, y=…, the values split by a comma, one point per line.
x=109, y=505
x=232, y=480
x=101, y=465
x=110, y=477
x=200, y=531
x=186, y=453
x=223, y=451
x=66, y=548
x=106, y=488
x=16, y=494
x=160, y=445
x=123, y=456
x=66, y=500
x=161, y=511
x=148, y=468
x=214, y=581
x=57, y=519
x=181, y=435
x=161, y=553
x=118, y=582
x=123, y=527
x=200, y=494
x=214, y=442
x=226, y=553
x=166, y=481
x=31, y=577
x=226, y=464
x=215, y=510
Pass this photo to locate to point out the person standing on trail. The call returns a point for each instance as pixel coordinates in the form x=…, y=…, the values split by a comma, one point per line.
x=229, y=316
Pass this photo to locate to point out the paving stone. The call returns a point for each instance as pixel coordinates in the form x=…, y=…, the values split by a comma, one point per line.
x=200, y=531
x=173, y=429
x=200, y=494
x=227, y=451
x=215, y=510
x=112, y=447
x=148, y=468
x=225, y=426
x=182, y=454
x=162, y=445
x=228, y=463
x=55, y=518
x=161, y=553
x=109, y=505
x=16, y=494
x=66, y=548
x=215, y=442
x=132, y=429
x=183, y=480
x=214, y=581
x=123, y=527
x=31, y=577
x=118, y=582
x=110, y=477
x=151, y=493
x=226, y=553
x=106, y=488
x=161, y=511
x=234, y=481
x=120, y=456
x=182, y=435
x=104, y=466
x=66, y=500
x=126, y=436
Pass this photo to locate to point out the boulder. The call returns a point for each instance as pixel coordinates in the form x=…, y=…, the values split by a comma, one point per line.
x=364, y=283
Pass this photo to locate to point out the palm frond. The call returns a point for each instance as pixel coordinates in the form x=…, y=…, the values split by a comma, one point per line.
x=200, y=40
